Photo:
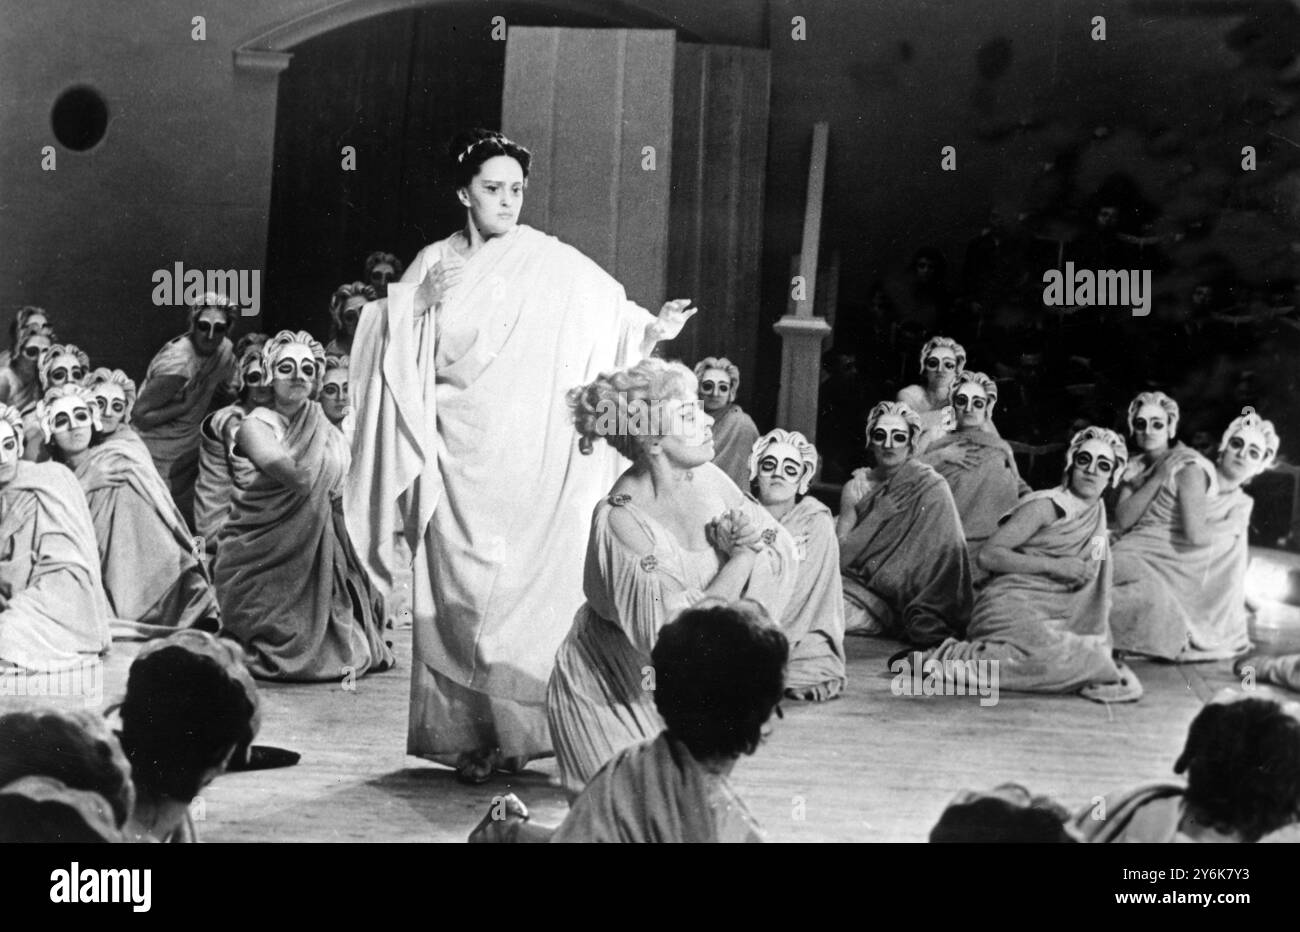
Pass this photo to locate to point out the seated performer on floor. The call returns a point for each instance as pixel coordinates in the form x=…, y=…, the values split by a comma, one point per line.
x=734, y=432
x=718, y=677
x=153, y=580
x=291, y=589
x=53, y=613
x=1180, y=560
x=906, y=572
x=61, y=364
x=63, y=778
x=190, y=707
x=1043, y=615
x=1242, y=761
x=179, y=386
x=251, y=388
x=942, y=361
x=346, y=305
x=673, y=530
x=977, y=464
x=781, y=466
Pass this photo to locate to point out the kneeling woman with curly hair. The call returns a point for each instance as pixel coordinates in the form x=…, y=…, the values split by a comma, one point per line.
x=673, y=530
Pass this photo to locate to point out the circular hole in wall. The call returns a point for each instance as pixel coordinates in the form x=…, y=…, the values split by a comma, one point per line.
x=80, y=118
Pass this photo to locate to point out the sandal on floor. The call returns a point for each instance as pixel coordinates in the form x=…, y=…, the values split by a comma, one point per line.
x=1128, y=689
x=475, y=768
x=263, y=757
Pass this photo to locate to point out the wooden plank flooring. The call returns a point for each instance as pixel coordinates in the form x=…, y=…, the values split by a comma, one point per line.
x=870, y=766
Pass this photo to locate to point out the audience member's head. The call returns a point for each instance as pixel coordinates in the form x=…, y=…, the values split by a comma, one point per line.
x=719, y=673
x=74, y=748
x=1242, y=763
x=190, y=706
x=34, y=810
x=1008, y=814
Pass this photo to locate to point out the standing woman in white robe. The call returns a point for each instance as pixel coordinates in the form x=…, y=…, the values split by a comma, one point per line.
x=463, y=435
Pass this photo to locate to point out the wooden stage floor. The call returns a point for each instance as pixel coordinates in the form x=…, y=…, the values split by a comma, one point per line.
x=870, y=766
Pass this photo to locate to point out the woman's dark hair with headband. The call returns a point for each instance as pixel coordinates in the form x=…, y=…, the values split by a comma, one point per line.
x=469, y=150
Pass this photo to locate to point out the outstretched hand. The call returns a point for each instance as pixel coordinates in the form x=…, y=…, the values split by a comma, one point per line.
x=672, y=317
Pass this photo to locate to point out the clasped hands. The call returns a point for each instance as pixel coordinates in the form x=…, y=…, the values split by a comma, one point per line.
x=732, y=532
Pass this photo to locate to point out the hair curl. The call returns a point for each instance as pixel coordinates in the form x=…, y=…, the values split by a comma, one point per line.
x=935, y=343
x=611, y=406
x=74, y=747
x=719, y=672
x=469, y=150
x=1159, y=399
x=189, y=701
x=807, y=452
x=1251, y=420
x=1106, y=436
x=1242, y=761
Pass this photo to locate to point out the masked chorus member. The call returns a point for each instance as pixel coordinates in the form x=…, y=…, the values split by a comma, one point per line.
x=1043, y=615
x=781, y=466
x=734, y=432
x=113, y=392
x=53, y=613
x=673, y=530
x=977, y=464
x=212, y=488
x=904, y=566
x=63, y=778
x=178, y=390
x=18, y=382
x=718, y=677
x=154, y=581
x=1242, y=767
x=346, y=305
x=1180, y=559
x=382, y=269
x=290, y=588
x=943, y=359
x=60, y=364
x=464, y=445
